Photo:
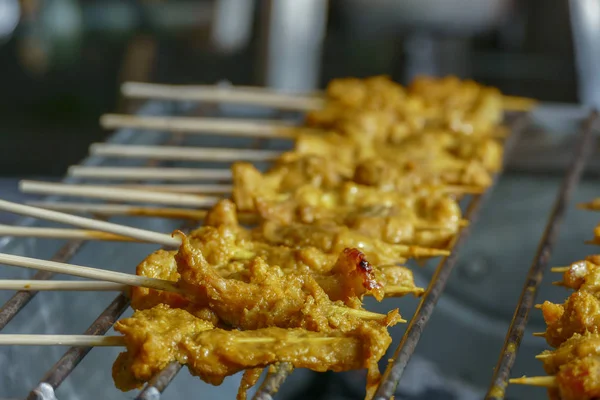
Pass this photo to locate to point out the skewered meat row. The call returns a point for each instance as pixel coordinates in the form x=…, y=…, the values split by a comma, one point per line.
x=336, y=217
x=161, y=335
x=461, y=106
x=572, y=329
x=576, y=368
x=389, y=216
x=230, y=249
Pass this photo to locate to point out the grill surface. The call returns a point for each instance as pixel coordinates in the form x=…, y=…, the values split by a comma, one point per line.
x=94, y=371
x=542, y=258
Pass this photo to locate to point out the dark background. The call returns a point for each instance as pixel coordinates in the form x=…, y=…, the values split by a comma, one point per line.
x=54, y=88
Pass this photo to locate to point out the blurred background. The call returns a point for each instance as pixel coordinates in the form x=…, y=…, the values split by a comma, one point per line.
x=62, y=62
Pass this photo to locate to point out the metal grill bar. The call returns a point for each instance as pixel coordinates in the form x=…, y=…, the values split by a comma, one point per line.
x=61, y=370
x=22, y=298
x=159, y=382
x=437, y=284
x=273, y=382
x=508, y=354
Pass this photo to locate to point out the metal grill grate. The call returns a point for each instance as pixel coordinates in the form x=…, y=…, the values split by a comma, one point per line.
x=69, y=361
x=516, y=330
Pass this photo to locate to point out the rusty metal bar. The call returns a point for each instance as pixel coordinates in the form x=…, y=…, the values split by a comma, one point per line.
x=508, y=354
x=408, y=344
x=20, y=299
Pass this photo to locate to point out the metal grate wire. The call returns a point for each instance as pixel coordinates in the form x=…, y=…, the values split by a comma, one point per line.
x=516, y=330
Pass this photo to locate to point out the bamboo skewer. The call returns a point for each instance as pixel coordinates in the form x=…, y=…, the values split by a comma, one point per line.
x=88, y=223
x=123, y=209
x=542, y=381
x=258, y=96
x=187, y=174
x=174, y=153
x=144, y=173
x=61, y=340
x=218, y=94
x=204, y=188
x=203, y=125
x=134, y=280
x=117, y=194
x=560, y=269
x=176, y=213
x=594, y=205
x=61, y=233
x=90, y=273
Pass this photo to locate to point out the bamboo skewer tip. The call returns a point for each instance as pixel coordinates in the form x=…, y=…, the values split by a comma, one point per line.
x=542, y=381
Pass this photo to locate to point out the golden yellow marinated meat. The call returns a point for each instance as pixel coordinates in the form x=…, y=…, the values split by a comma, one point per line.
x=426, y=219
x=463, y=106
x=379, y=108
x=156, y=337
x=333, y=238
x=432, y=158
x=336, y=277
x=579, y=314
x=578, y=379
x=269, y=298
x=289, y=172
x=151, y=337
x=222, y=240
x=577, y=346
x=583, y=275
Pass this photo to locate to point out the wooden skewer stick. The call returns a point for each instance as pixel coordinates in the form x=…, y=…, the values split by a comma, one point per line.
x=123, y=209
x=539, y=334
x=205, y=188
x=591, y=206
x=135, y=280
x=145, y=173
x=258, y=96
x=543, y=356
x=559, y=269
x=218, y=94
x=175, y=213
x=203, y=125
x=117, y=194
x=538, y=306
x=61, y=340
x=90, y=273
x=542, y=381
x=174, y=153
x=399, y=291
x=61, y=233
x=88, y=223
x=83, y=286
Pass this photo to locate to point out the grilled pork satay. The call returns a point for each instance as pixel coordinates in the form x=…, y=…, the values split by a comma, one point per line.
x=159, y=336
x=381, y=107
x=578, y=380
x=579, y=314
x=334, y=238
x=269, y=298
x=583, y=275
x=577, y=346
x=462, y=106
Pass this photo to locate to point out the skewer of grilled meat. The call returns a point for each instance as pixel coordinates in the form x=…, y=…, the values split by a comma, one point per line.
x=161, y=335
